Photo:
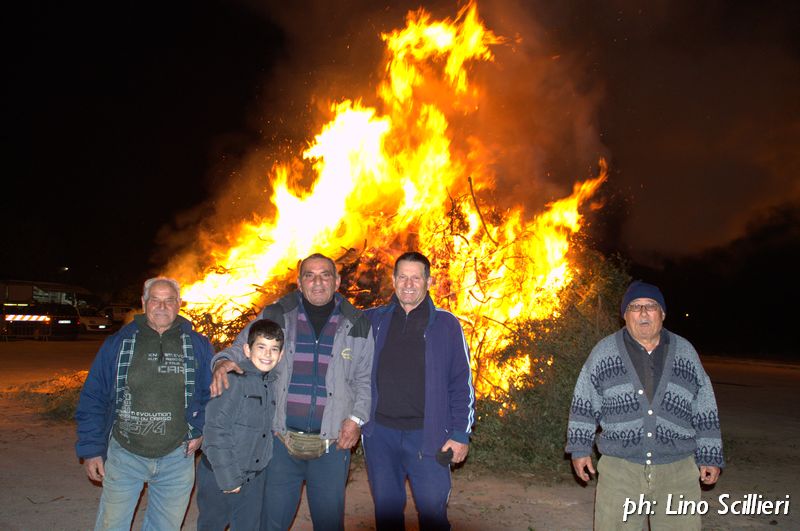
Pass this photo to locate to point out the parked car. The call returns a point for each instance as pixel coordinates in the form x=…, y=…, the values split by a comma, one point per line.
x=117, y=313
x=41, y=321
x=93, y=321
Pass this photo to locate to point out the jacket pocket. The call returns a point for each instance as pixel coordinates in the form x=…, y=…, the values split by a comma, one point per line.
x=252, y=413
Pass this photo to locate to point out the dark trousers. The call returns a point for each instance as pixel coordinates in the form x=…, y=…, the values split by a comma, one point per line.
x=242, y=510
x=325, y=478
x=392, y=456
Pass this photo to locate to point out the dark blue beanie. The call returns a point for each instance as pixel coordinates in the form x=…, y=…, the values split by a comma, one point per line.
x=638, y=290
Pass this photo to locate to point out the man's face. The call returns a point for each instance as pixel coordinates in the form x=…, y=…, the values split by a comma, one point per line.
x=410, y=284
x=265, y=353
x=318, y=281
x=161, y=308
x=645, y=321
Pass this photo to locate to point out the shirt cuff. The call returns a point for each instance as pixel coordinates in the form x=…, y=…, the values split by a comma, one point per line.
x=460, y=436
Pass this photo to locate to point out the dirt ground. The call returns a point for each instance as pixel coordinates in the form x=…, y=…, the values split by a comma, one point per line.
x=44, y=487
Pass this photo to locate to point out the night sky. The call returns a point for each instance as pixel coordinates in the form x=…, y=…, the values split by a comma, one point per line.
x=128, y=123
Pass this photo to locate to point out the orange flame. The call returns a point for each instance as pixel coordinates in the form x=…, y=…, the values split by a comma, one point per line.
x=383, y=176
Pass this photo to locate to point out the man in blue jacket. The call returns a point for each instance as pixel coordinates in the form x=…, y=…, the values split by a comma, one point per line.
x=141, y=413
x=422, y=400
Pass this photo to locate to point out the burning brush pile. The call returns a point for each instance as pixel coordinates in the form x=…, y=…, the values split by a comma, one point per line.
x=405, y=173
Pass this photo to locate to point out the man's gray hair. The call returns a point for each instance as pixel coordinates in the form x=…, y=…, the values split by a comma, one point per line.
x=148, y=284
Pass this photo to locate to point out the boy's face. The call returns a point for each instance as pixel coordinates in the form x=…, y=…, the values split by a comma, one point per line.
x=265, y=353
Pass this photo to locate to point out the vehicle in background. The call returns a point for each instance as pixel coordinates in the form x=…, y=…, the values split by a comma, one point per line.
x=92, y=320
x=28, y=292
x=117, y=313
x=41, y=321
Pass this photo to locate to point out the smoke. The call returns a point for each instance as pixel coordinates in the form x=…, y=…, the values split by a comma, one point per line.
x=534, y=132
x=328, y=52
x=537, y=117
x=538, y=121
x=700, y=112
x=693, y=105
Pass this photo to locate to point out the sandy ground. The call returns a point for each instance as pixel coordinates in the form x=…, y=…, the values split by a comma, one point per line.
x=44, y=488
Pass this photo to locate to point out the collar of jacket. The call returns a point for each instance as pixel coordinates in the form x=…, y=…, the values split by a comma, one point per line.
x=394, y=302
x=185, y=325
x=291, y=301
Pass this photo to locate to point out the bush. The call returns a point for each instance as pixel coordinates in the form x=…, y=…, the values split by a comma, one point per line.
x=56, y=398
x=528, y=434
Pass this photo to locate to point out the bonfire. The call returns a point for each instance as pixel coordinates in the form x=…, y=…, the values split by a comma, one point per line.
x=399, y=176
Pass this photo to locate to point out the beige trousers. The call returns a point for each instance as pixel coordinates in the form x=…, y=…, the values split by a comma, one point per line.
x=624, y=488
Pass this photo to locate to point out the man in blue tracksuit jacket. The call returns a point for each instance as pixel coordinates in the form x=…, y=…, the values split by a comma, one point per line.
x=422, y=401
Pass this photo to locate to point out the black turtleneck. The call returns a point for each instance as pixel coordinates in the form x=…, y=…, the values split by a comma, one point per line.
x=318, y=315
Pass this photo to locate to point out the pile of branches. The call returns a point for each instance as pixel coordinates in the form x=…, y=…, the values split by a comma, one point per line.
x=366, y=276
x=220, y=333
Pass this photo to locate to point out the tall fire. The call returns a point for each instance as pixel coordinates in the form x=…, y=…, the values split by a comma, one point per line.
x=400, y=176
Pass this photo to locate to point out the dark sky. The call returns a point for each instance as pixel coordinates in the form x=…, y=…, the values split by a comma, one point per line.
x=124, y=121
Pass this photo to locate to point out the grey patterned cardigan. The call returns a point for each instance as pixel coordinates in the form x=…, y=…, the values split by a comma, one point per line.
x=682, y=420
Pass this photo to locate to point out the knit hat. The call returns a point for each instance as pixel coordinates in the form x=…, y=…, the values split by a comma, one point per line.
x=638, y=290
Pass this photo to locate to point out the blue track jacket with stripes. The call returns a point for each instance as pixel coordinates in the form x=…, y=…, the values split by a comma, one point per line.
x=449, y=394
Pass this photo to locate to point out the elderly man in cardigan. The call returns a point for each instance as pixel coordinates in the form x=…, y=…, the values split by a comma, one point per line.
x=660, y=437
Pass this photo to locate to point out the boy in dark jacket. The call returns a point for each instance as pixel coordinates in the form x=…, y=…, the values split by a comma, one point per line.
x=238, y=439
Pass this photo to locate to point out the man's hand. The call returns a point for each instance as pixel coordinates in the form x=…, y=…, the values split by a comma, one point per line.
x=234, y=491
x=581, y=465
x=460, y=450
x=348, y=435
x=219, y=381
x=709, y=474
x=95, y=468
x=192, y=445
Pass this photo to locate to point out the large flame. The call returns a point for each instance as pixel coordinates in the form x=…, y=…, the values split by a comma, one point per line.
x=392, y=176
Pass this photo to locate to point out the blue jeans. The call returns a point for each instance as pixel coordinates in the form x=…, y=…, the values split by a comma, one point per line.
x=169, y=484
x=394, y=455
x=242, y=510
x=325, y=478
